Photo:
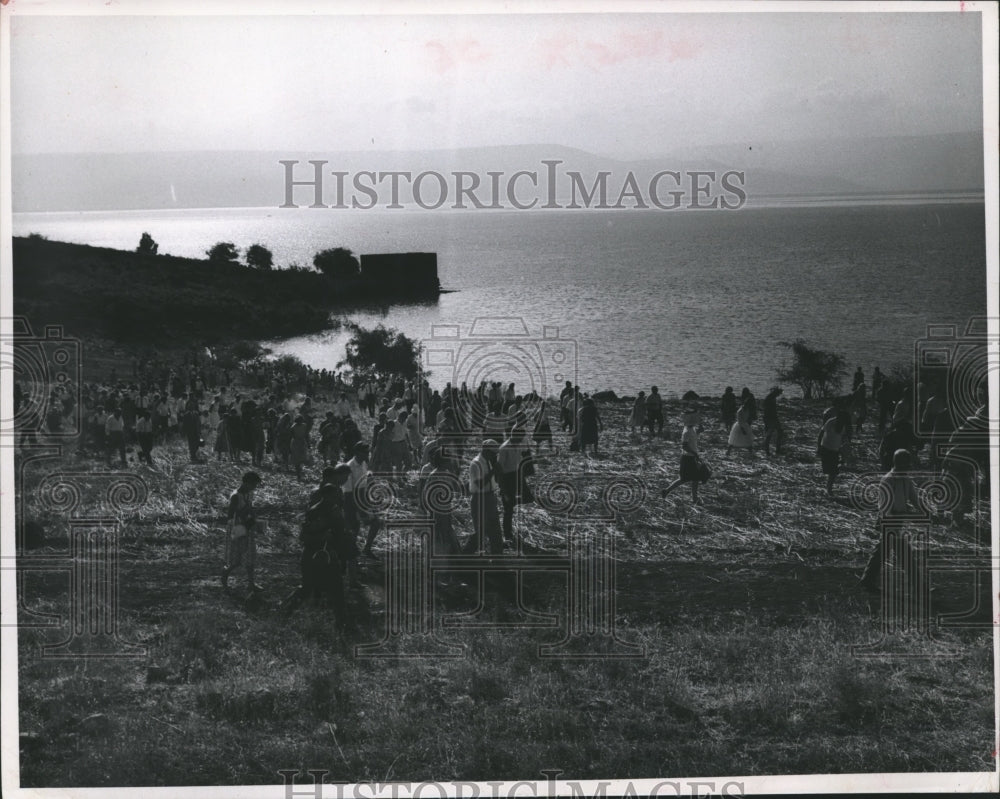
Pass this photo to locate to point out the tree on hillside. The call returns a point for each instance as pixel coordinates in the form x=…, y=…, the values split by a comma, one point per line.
x=147, y=246
x=223, y=252
x=816, y=372
x=338, y=263
x=382, y=351
x=259, y=257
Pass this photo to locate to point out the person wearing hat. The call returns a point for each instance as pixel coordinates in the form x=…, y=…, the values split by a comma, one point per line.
x=691, y=469
x=485, y=519
x=772, y=425
x=241, y=531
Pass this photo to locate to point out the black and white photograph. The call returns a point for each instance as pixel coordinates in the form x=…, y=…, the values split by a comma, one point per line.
x=499, y=399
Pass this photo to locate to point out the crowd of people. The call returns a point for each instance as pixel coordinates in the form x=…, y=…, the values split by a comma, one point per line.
x=482, y=438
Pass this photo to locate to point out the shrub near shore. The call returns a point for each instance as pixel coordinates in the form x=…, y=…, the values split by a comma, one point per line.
x=745, y=606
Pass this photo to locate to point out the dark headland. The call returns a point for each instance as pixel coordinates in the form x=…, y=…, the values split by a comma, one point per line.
x=163, y=299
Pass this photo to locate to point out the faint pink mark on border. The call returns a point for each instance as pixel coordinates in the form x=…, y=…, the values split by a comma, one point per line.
x=464, y=52
x=626, y=46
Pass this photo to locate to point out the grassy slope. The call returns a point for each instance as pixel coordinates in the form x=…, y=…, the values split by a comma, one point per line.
x=745, y=606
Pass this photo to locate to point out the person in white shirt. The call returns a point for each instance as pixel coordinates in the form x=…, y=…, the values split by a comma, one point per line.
x=114, y=435
x=343, y=408
x=353, y=488
x=485, y=518
x=691, y=469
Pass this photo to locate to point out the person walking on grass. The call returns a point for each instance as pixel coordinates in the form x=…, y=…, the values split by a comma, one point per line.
x=144, y=437
x=589, y=426
x=654, y=412
x=511, y=474
x=728, y=408
x=299, y=450
x=772, y=424
x=191, y=424
x=241, y=531
x=485, y=518
x=638, y=416
x=691, y=468
x=114, y=434
x=741, y=434
x=354, y=488
x=830, y=444
x=900, y=495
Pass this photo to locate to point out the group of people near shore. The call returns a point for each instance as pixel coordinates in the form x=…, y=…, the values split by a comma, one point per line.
x=493, y=428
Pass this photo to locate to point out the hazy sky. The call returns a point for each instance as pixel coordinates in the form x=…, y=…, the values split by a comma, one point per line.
x=615, y=84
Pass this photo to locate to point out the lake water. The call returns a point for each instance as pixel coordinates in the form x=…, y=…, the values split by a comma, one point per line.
x=683, y=299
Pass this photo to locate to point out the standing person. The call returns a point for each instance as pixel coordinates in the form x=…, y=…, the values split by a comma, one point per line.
x=565, y=397
x=589, y=425
x=299, y=449
x=859, y=379
x=728, y=408
x=191, y=425
x=901, y=494
x=283, y=439
x=741, y=434
x=343, y=407
x=654, y=411
x=510, y=475
x=413, y=437
x=772, y=425
x=859, y=406
x=329, y=439
x=885, y=397
x=144, y=436
x=485, y=519
x=114, y=434
x=399, y=444
x=691, y=469
x=241, y=530
x=877, y=382
x=638, y=416
x=353, y=489
x=222, y=436
x=830, y=444
x=543, y=430
x=439, y=484
x=750, y=401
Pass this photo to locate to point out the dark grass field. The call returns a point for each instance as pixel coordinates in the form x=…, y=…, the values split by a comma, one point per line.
x=757, y=653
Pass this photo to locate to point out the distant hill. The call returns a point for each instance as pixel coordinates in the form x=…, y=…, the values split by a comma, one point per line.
x=126, y=181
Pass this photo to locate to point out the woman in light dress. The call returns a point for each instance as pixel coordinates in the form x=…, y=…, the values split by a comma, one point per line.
x=741, y=434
